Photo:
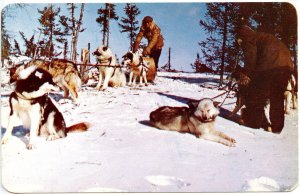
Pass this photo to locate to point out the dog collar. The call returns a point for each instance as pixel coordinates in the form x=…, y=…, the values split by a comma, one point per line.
x=106, y=61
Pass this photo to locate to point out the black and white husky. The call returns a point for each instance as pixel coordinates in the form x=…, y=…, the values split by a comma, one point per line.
x=138, y=67
x=31, y=103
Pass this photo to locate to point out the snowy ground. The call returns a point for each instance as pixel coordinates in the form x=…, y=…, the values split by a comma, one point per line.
x=122, y=153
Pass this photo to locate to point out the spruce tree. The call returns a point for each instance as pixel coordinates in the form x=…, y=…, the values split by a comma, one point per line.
x=105, y=15
x=130, y=23
x=30, y=46
x=218, y=50
x=53, y=37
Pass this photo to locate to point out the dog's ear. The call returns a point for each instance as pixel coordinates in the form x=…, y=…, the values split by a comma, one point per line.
x=193, y=104
x=216, y=104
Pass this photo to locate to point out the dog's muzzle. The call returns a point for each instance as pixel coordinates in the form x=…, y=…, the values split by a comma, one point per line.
x=206, y=119
x=97, y=53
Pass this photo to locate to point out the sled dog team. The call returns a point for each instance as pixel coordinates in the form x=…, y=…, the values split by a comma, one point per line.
x=31, y=103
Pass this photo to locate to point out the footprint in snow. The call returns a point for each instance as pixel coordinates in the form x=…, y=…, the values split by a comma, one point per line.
x=262, y=184
x=162, y=180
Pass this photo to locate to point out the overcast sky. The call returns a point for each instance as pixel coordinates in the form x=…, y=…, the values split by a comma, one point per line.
x=179, y=23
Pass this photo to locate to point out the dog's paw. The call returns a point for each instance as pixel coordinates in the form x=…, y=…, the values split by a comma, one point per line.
x=232, y=140
x=31, y=146
x=231, y=144
x=52, y=137
x=102, y=88
x=4, y=140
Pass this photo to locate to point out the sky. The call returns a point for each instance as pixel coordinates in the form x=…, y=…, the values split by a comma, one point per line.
x=179, y=23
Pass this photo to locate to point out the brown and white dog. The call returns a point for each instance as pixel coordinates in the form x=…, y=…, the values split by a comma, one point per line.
x=138, y=67
x=109, y=70
x=198, y=119
x=64, y=74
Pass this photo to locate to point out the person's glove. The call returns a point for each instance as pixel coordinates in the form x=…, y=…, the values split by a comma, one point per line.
x=135, y=47
x=146, y=51
x=244, y=79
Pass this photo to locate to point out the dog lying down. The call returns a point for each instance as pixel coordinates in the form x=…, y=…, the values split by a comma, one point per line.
x=197, y=119
x=31, y=103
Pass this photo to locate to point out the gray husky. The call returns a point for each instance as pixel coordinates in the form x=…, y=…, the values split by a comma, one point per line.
x=197, y=119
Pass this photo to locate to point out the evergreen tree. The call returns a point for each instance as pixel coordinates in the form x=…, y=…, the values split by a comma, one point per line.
x=197, y=64
x=105, y=15
x=219, y=24
x=5, y=44
x=279, y=19
x=16, y=48
x=5, y=37
x=29, y=45
x=130, y=23
x=51, y=31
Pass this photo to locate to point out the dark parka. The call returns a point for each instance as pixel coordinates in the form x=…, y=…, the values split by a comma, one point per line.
x=263, y=52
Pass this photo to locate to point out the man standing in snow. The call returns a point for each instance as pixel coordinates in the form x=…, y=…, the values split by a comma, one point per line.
x=267, y=69
x=152, y=33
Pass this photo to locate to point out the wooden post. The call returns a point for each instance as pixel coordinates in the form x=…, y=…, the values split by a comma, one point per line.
x=169, y=59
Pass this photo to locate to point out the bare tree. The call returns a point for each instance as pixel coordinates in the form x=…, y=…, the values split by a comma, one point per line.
x=75, y=26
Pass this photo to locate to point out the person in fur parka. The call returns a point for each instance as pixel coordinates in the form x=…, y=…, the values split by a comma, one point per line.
x=152, y=33
x=267, y=69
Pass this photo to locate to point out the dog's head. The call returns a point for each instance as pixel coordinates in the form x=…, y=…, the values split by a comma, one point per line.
x=35, y=82
x=205, y=110
x=103, y=53
x=131, y=57
x=127, y=58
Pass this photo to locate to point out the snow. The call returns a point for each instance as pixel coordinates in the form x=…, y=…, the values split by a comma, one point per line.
x=122, y=153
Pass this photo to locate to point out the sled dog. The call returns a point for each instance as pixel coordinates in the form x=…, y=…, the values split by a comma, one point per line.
x=138, y=67
x=290, y=96
x=197, y=119
x=31, y=103
x=108, y=69
x=64, y=73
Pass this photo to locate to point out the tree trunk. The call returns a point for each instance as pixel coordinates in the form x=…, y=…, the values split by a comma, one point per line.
x=223, y=46
x=75, y=31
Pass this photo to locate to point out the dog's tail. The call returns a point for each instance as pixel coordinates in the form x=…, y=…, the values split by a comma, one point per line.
x=79, y=127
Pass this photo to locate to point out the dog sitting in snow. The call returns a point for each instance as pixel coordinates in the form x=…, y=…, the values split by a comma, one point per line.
x=197, y=119
x=108, y=69
x=31, y=103
x=137, y=65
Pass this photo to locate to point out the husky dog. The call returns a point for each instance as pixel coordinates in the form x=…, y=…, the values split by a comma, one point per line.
x=64, y=73
x=290, y=95
x=108, y=69
x=137, y=66
x=32, y=105
x=197, y=119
